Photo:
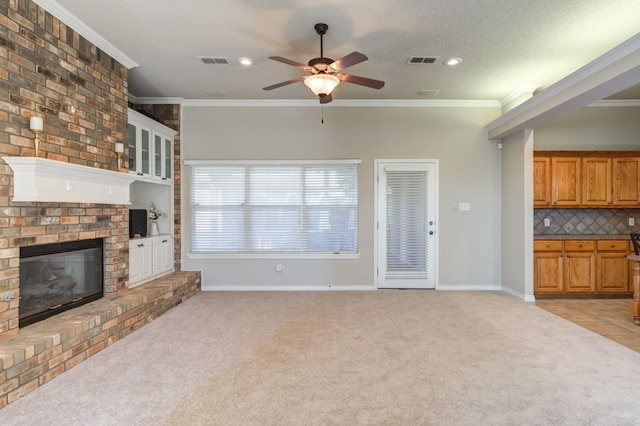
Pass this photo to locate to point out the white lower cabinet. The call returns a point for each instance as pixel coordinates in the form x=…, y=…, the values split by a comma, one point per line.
x=149, y=258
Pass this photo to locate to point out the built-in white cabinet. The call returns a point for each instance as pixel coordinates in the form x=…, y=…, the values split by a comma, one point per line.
x=149, y=258
x=151, y=161
x=150, y=148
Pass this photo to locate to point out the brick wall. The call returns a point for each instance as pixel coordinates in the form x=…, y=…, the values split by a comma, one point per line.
x=49, y=70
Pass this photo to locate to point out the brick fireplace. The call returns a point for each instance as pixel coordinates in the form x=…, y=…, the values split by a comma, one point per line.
x=50, y=71
x=81, y=94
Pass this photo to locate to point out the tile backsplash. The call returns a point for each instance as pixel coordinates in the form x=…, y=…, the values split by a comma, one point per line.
x=585, y=221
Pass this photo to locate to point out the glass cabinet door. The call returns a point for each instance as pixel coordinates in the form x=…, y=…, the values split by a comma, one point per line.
x=157, y=157
x=133, y=155
x=168, y=158
x=145, y=151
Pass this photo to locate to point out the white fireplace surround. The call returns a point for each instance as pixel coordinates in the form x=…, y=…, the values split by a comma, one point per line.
x=42, y=180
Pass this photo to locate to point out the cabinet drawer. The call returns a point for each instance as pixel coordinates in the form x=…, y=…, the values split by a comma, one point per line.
x=547, y=245
x=613, y=245
x=579, y=245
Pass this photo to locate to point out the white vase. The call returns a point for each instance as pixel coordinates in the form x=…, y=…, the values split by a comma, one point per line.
x=154, y=228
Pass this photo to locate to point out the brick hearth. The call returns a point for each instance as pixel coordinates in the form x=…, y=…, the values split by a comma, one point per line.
x=47, y=349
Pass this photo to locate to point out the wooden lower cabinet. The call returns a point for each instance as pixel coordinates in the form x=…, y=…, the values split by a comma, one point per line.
x=613, y=266
x=581, y=267
x=548, y=270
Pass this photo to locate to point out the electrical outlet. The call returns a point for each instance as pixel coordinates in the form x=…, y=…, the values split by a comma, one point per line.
x=632, y=221
x=278, y=267
x=547, y=222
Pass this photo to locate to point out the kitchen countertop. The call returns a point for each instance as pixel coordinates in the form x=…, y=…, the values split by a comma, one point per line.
x=582, y=237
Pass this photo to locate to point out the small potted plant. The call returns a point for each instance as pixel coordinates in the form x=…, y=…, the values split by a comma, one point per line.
x=154, y=214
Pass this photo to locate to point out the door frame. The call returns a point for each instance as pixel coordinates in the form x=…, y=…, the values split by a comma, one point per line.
x=376, y=213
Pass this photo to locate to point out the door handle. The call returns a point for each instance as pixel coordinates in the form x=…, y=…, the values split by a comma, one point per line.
x=430, y=232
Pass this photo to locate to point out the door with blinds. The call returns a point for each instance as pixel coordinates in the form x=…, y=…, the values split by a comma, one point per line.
x=406, y=224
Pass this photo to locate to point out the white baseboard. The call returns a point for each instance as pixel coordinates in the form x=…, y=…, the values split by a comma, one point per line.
x=469, y=287
x=286, y=288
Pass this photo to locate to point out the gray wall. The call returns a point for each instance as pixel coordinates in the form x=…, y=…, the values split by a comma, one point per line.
x=517, y=213
x=469, y=171
x=592, y=128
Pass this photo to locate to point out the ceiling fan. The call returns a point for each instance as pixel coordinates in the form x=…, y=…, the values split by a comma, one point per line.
x=325, y=73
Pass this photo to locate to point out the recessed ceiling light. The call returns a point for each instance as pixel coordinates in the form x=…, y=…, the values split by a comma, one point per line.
x=246, y=61
x=453, y=61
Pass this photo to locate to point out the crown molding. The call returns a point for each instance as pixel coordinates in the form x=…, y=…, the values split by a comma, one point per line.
x=342, y=103
x=522, y=90
x=614, y=103
x=85, y=31
x=156, y=101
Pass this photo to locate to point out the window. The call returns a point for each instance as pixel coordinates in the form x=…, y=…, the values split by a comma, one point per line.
x=274, y=207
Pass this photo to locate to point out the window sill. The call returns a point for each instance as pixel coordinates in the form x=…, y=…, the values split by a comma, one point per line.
x=273, y=256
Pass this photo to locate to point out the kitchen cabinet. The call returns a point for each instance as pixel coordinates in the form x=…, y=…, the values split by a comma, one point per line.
x=626, y=181
x=582, y=267
x=575, y=179
x=149, y=258
x=579, y=266
x=613, y=266
x=566, y=181
x=596, y=182
x=541, y=181
x=548, y=267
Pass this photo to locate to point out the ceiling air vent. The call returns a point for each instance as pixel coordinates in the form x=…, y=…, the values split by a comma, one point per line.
x=213, y=60
x=428, y=92
x=423, y=59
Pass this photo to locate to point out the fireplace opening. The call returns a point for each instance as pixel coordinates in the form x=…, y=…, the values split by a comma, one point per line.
x=59, y=276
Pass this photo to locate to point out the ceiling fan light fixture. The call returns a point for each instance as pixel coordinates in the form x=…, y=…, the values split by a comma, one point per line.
x=321, y=83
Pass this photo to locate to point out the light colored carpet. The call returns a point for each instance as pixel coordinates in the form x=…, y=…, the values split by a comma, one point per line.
x=347, y=358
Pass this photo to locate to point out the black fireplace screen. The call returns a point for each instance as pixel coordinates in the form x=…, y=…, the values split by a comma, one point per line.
x=60, y=276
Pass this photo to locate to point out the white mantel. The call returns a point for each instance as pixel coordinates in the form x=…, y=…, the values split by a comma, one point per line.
x=42, y=180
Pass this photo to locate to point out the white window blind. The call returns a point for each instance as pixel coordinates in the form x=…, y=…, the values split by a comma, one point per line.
x=274, y=208
x=407, y=223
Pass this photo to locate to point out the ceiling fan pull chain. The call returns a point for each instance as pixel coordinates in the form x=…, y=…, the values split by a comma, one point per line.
x=322, y=119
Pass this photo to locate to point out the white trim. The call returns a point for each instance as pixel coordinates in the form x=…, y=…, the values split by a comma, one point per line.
x=216, y=287
x=268, y=162
x=85, y=31
x=613, y=103
x=155, y=101
x=519, y=295
x=522, y=90
x=467, y=287
x=342, y=103
x=332, y=256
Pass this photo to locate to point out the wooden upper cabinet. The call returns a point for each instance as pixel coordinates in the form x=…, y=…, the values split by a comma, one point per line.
x=596, y=182
x=566, y=181
x=626, y=181
x=541, y=181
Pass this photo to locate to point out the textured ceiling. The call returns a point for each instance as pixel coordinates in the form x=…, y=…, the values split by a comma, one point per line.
x=505, y=44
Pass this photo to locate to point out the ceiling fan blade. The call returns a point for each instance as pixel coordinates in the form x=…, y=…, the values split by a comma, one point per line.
x=362, y=81
x=290, y=62
x=347, y=61
x=325, y=99
x=284, y=83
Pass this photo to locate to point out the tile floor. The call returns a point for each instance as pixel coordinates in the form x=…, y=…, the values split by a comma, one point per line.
x=610, y=318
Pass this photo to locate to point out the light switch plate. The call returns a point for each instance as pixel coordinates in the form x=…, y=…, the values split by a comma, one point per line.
x=464, y=207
